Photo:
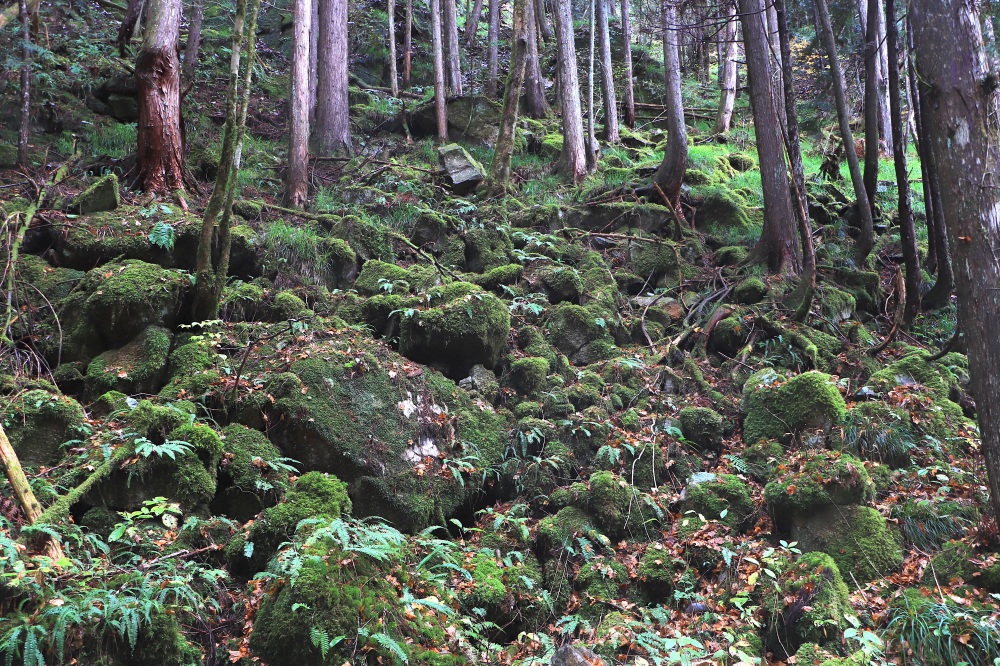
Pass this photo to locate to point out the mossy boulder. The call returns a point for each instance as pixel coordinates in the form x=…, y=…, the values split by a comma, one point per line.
x=192, y=371
x=750, y=291
x=464, y=173
x=609, y=501
x=856, y=537
x=836, y=304
x=723, y=208
x=287, y=305
x=810, y=606
x=957, y=561
x=561, y=283
x=38, y=423
x=731, y=255
x=784, y=409
x=703, y=427
x=913, y=368
x=486, y=248
x=527, y=375
x=580, y=334
x=381, y=277
x=815, y=480
x=658, y=570
x=729, y=335
x=741, y=161
x=496, y=278
x=253, y=475
x=652, y=261
x=721, y=494
x=138, y=367
x=464, y=326
x=102, y=195
x=559, y=529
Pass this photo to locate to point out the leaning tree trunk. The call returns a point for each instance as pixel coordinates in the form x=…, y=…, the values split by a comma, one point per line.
x=872, y=102
x=499, y=177
x=296, y=179
x=611, y=133
x=670, y=175
x=492, y=47
x=453, y=57
x=534, y=85
x=866, y=238
x=542, y=19
x=574, y=159
x=194, y=40
x=440, y=93
x=907, y=234
x=779, y=244
x=22, y=135
x=333, y=128
x=962, y=114
x=158, y=77
x=472, y=22
x=629, y=100
x=23, y=494
x=727, y=71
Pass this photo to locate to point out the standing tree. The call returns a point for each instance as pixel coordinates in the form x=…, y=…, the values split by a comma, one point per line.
x=778, y=245
x=866, y=238
x=296, y=179
x=592, y=146
x=333, y=127
x=873, y=101
x=962, y=112
x=574, y=159
x=158, y=75
x=534, y=85
x=472, y=22
x=670, y=175
x=499, y=176
x=440, y=95
x=492, y=58
x=408, y=44
x=22, y=135
x=611, y=133
x=727, y=70
x=453, y=57
x=629, y=101
x=393, y=74
x=194, y=40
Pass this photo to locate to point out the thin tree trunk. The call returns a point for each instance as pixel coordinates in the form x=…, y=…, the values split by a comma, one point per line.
x=611, y=133
x=807, y=284
x=408, y=45
x=670, y=175
x=333, y=126
x=779, y=243
x=313, y=60
x=872, y=103
x=25, y=127
x=930, y=212
x=296, y=180
x=453, y=57
x=867, y=232
x=727, y=72
x=990, y=39
x=440, y=94
x=907, y=234
x=194, y=40
x=22, y=489
x=499, y=177
x=627, y=62
x=774, y=49
x=542, y=19
x=884, y=103
x=962, y=115
x=472, y=22
x=158, y=77
x=393, y=73
x=574, y=159
x=492, y=58
x=591, y=130
x=940, y=294
x=534, y=85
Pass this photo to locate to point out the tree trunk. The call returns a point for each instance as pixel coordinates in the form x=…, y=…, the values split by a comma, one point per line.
x=727, y=72
x=194, y=40
x=611, y=133
x=393, y=74
x=629, y=101
x=542, y=19
x=440, y=94
x=592, y=146
x=884, y=103
x=872, y=102
x=990, y=39
x=574, y=159
x=492, y=58
x=866, y=238
x=453, y=57
x=333, y=126
x=499, y=177
x=408, y=45
x=296, y=180
x=22, y=489
x=778, y=245
x=534, y=85
x=313, y=60
x=907, y=233
x=962, y=115
x=25, y=127
x=670, y=174
x=158, y=77
x=930, y=206
x=472, y=22
x=774, y=50
x=804, y=293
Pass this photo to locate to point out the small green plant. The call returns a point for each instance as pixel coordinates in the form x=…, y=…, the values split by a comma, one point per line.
x=170, y=448
x=156, y=508
x=163, y=235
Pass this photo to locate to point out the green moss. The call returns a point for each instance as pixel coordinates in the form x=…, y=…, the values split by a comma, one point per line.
x=836, y=304
x=161, y=642
x=487, y=248
x=729, y=335
x=654, y=260
x=568, y=522
x=495, y=278
x=723, y=208
x=287, y=305
x=702, y=427
x=741, y=161
x=762, y=458
x=957, y=561
x=810, y=606
x=815, y=480
x=38, y=423
x=561, y=283
x=609, y=502
x=489, y=590
x=658, y=570
x=578, y=333
x=750, y=291
x=731, y=255
x=600, y=579
x=913, y=368
x=856, y=537
x=379, y=277
x=725, y=493
x=138, y=367
x=777, y=409
x=241, y=302
x=102, y=195
x=810, y=654
x=698, y=177
x=528, y=375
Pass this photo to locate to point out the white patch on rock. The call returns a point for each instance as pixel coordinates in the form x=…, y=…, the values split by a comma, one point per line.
x=408, y=407
x=422, y=449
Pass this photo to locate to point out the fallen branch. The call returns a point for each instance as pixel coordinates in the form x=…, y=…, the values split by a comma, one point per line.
x=23, y=493
x=59, y=509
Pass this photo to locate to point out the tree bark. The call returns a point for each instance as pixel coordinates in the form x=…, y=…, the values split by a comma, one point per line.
x=194, y=40
x=158, y=75
x=592, y=146
x=542, y=19
x=472, y=22
x=930, y=206
x=884, y=103
x=492, y=58
x=499, y=177
x=393, y=73
x=333, y=127
x=962, y=115
x=611, y=133
x=727, y=71
x=866, y=237
x=25, y=127
x=779, y=244
x=440, y=94
x=574, y=159
x=408, y=45
x=534, y=85
x=670, y=175
x=629, y=100
x=453, y=57
x=313, y=60
x=22, y=489
x=774, y=50
x=296, y=180
x=872, y=102
x=907, y=233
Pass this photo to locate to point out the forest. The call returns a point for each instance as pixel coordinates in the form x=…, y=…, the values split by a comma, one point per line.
x=500, y=332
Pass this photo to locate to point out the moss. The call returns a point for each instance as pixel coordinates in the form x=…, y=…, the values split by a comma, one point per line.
x=658, y=570
x=631, y=421
x=241, y=302
x=654, y=260
x=287, y=305
x=723, y=208
x=111, y=402
x=698, y=177
x=810, y=654
x=731, y=255
x=729, y=335
x=913, y=368
x=810, y=606
x=379, y=277
x=600, y=579
x=487, y=248
x=528, y=409
x=251, y=478
x=527, y=375
x=741, y=161
x=489, y=590
x=777, y=409
x=724, y=493
x=561, y=283
x=138, y=367
x=369, y=239
x=815, y=480
x=957, y=561
x=762, y=458
x=568, y=522
x=702, y=427
x=856, y=537
x=102, y=195
x=578, y=333
x=161, y=643
x=836, y=304
x=609, y=502
x=750, y=291
x=495, y=278
x=38, y=423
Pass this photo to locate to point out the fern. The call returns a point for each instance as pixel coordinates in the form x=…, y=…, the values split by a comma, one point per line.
x=162, y=235
x=387, y=642
x=171, y=448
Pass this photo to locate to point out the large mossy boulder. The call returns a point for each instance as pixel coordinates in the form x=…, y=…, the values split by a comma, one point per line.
x=856, y=537
x=703, y=427
x=580, y=334
x=102, y=195
x=814, y=480
x=253, y=475
x=722, y=208
x=461, y=169
x=723, y=497
x=138, y=367
x=38, y=423
x=463, y=326
x=958, y=562
x=805, y=406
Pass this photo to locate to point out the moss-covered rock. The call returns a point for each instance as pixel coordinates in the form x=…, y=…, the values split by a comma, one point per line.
x=780, y=409
x=731, y=255
x=102, y=195
x=380, y=277
x=287, y=305
x=658, y=570
x=702, y=427
x=856, y=537
x=496, y=278
x=38, y=423
x=741, y=161
x=957, y=561
x=487, y=248
x=559, y=529
x=810, y=654
x=722, y=494
x=600, y=579
x=836, y=304
x=609, y=501
x=252, y=476
x=810, y=606
x=722, y=208
x=652, y=261
x=138, y=367
x=580, y=334
x=527, y=375
x=815, y=480
x=750, y=291
x=729, y=335
x=762, y=458
x=561, y=283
